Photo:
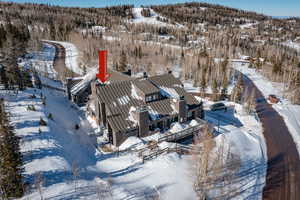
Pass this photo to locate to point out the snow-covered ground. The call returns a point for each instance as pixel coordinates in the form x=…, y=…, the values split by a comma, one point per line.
x=139, y=18
x=54, y=151
x=55, y=148
x=248, y=25
x=291, y=44
x=72, y=57
x=289, y=112
x=59, y=145
x=243, y=135
x=41, y=61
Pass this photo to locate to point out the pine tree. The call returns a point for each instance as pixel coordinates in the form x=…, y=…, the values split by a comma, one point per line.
x=3, y=77
x=11, y=185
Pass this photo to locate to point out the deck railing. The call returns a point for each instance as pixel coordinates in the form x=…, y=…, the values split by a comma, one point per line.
x=173, y=137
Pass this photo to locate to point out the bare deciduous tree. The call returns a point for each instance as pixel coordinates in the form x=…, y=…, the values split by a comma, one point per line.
x=38, y=182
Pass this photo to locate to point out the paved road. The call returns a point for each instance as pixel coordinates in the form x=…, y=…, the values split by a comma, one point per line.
x=59, y=62
x=283, y=172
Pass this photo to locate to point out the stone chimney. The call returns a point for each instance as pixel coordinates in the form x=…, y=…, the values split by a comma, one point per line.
x=142, y=116
x=180, y=106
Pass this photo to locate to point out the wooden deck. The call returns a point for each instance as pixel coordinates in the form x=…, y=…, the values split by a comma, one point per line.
x=173, y=137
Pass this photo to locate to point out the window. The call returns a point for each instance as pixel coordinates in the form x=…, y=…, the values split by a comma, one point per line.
x=175, y=119
x=191, y=115
x=152, y=127
x=148, y=98
x=154, y=97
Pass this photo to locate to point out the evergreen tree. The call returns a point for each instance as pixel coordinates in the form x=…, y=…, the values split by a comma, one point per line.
x=3, y=77
x=11, y=185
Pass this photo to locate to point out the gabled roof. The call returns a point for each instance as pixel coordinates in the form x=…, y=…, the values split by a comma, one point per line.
x=120, y=96
x=79, y=84
x=146, y=86
x=165, y=80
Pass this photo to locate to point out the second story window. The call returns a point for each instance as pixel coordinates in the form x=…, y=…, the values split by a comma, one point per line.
x=148, y=98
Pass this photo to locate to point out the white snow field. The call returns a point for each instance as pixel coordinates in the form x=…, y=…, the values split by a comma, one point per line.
x=41, y=61
x=289, y=112
x=152, y=20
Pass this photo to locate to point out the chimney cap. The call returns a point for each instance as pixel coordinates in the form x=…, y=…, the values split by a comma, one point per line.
x=145, y=75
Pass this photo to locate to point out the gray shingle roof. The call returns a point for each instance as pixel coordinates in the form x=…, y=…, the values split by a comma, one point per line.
x=166, y=80
x=118, y=99
x=146, y=86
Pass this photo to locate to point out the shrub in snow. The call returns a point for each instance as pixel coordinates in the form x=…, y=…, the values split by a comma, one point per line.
x=44, y=101
x=31, y=108
x=76, y=127
x=50, y=116
x=42, y=122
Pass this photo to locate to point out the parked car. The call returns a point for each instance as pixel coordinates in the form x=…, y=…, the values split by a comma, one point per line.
x=218, y=106
x=273, y=98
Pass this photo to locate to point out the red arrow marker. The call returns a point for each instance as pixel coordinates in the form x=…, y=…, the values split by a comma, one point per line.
x=102, y=75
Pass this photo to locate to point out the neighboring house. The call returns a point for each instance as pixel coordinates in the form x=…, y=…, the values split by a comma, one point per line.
x=78, y=90
x=141, y=106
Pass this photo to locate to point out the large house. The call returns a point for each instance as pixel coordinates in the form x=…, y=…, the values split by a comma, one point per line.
x=141, y=106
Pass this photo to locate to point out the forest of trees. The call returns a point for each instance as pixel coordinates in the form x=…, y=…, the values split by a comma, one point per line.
x=13, y=43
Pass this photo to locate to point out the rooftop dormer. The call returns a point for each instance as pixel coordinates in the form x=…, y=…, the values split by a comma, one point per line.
x=147, y=90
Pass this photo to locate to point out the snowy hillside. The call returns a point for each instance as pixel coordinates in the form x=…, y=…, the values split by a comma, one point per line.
x=41, y=61
x=54, y=150
x=59, y=146
x=153, y=19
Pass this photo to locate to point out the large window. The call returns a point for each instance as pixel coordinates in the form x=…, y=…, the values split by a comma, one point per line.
x=191, y=115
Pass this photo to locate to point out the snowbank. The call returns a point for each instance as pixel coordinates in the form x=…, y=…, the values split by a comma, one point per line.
x=131, y=142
